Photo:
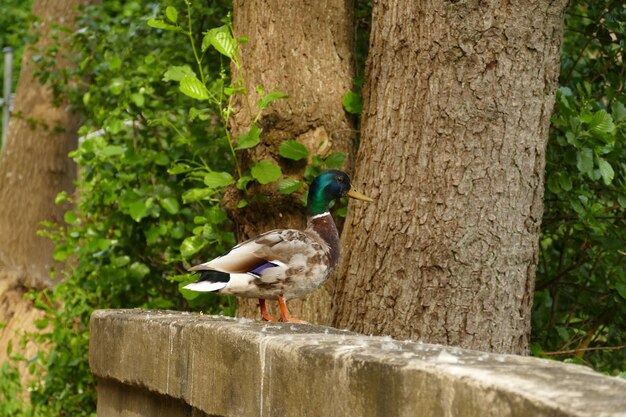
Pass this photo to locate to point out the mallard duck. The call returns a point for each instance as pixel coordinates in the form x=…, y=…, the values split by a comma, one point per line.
x=283, y=264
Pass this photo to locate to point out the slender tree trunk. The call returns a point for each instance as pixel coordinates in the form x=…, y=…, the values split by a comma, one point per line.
x=34, y=167
x=457, y=102
x=304, y=50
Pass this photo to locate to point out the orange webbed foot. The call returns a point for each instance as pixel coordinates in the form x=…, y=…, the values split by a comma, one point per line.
x=284, y=312
x=264, y=314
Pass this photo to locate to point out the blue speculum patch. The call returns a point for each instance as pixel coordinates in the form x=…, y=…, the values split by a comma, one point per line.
x=259, y=269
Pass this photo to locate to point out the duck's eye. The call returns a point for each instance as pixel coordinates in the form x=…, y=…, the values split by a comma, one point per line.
x=339, y=179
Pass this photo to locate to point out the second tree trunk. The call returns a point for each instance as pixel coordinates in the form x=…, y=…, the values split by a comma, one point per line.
x=306, y=51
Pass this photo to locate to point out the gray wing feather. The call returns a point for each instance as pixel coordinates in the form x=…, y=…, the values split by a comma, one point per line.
x=277, y=245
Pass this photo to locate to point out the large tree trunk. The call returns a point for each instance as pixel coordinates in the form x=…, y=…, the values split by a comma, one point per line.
x=458, y=97
x=307, y=52
x=33, y=169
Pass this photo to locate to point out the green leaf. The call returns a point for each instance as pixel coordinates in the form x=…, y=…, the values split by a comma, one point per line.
x=229, y=91
x=352, y=102
x=60, y=253
x=553, y=184
x=171, y=14
x=342, y=211
x=217, y=179
x=152, y=235
x=606, y=170
x=120, y=261
x=562, y=332
x=170, y=204
x=335, y=160
x=196, y=194
x=61, y=197
x=70, y=217
x=291, y=149
x=601, y=123
x=138, y=210
x=270, y=98
x=114, y=62
x=289, y=185
x=100, y=244
x=178, y=231
x=249, y=139
x=162, y=159
x=179, y=168
x=621, y=289
x=177, y=73
x=566, y=91
x=199, y=220
x=221, y=39
x=138, y=99
x=192, y=245
x=584, y=160
x=565, y=182
x=41, y=323
x=265, y=171
x=217, y=215
x=138, y=270
x=242, y=182
x=193, y=87
x=577, y=207
x=159, y=24
x=618, y=111
x=621, y=199
x=202, y=114
x=114, y=126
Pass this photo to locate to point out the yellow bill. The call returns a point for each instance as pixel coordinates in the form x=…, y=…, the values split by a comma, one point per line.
x=355, y=194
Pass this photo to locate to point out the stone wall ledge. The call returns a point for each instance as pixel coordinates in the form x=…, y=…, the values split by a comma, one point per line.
x=168, y=363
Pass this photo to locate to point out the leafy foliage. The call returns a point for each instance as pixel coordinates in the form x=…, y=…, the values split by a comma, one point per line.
x=580, y=301
x=15, y=19
x=126, y=234
x=10, y=391
x=217, y=95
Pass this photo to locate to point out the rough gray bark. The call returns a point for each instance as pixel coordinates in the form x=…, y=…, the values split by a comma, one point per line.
x=457, y=101
x=306, y=51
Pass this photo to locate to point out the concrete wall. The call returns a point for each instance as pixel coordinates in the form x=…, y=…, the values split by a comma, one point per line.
x=175, y=364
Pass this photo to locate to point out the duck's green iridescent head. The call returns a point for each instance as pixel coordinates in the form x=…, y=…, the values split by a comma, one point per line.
x=327, y=187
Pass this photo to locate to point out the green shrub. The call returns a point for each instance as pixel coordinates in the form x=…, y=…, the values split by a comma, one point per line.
x=123, y=240
x=580, y=301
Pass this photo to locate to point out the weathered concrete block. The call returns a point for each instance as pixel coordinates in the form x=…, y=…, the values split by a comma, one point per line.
x=152, y=363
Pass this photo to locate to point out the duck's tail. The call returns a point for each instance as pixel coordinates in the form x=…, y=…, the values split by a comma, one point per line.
x=209, y=281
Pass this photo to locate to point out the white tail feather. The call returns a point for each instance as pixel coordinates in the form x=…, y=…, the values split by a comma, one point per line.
x=205, y=286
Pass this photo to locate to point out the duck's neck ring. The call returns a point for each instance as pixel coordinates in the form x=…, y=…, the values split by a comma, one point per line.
x=317, y=216
x=323, y=226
